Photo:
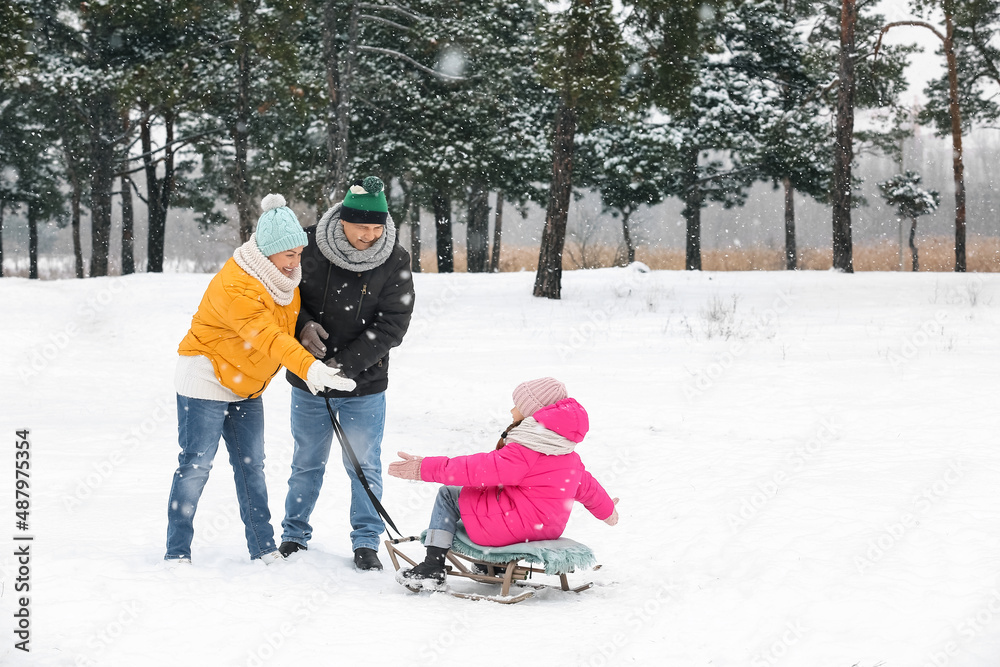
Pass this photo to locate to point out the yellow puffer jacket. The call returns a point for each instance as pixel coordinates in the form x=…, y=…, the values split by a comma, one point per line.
x=245, y=333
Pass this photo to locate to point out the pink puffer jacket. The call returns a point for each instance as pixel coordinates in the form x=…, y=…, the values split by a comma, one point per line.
x=516, y=494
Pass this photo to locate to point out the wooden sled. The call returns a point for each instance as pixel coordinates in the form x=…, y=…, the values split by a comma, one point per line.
x=508, y=566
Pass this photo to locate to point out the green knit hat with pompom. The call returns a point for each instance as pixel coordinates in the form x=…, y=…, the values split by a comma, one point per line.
x=364, y=203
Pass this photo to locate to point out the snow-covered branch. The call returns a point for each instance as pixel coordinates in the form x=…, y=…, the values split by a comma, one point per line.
x=408, y=13
x=404, y=57
x=379, y=19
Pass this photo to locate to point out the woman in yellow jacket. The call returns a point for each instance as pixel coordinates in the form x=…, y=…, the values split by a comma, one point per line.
x=241, y=335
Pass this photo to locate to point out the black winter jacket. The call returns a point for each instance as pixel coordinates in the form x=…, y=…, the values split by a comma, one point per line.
x=366, y=314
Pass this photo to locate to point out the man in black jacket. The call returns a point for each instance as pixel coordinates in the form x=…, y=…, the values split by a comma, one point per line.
x=357, y=298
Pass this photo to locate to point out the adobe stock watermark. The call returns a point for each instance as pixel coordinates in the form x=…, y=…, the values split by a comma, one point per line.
x=453, y=289
x=55, y=343
x=967, y=631
x=703, y=379
x=270, y=645
x=797, y=460
x=598, y=320
x=968, y=293
x=100, y=641
x=893, y=533
x=919, y=339
x=103, y=470
x=778, y=649
x=637, y=618
x=440, y=646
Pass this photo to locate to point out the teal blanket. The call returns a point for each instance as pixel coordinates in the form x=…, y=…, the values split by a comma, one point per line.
x=558, y=556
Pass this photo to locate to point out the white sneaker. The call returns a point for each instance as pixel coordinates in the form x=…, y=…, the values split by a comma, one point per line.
x=272, y=557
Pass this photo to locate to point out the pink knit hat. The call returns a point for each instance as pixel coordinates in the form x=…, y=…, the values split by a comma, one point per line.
x=535, y=394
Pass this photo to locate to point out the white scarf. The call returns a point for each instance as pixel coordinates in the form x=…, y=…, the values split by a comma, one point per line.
x=529, y=433
x=333, y=243
x=278, y=285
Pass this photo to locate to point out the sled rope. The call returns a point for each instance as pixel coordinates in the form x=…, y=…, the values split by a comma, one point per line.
x=346, y=446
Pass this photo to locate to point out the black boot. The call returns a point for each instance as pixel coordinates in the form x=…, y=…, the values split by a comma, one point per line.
x=288, y=548
x=366, y=559
x=427, y=575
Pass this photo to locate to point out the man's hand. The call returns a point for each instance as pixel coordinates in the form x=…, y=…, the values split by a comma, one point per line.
x=312, y=337
x=408, y=468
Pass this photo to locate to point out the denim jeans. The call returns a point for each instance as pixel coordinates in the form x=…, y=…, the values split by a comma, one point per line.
x=200, y=424
x=363, y=419
x=444, y=517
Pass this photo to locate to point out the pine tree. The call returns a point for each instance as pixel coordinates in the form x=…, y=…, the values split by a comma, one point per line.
x=792, y=149
x=911, y=201
x=843, y=37
x=624, y=161
x=963, y=96
x=470, y=125
x=582, y=60
x=739, y=106
x=249, y=102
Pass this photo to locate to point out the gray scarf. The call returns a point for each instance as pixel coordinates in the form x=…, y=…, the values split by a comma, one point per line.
x=333, y=243
x=529, y=433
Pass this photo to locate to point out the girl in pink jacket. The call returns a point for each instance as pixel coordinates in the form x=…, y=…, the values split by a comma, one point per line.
x=522, y=491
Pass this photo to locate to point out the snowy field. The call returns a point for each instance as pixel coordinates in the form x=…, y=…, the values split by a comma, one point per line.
x=808, y=465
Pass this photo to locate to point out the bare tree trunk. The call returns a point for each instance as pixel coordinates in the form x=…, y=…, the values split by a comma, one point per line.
x=73, y=176
x=1, y=238
x=32, y=241
x=415, y=237
x=240, y=132
x=158, y=190
x=128, y=218
x=843, y=154
x=913, y=245
x=103, y=126
x=477, y=231
x=693, y=200
x=128, y=226
x=155, y=233
x=339, y=89
x=958, y=166
x=442, y=228
x=791, y=252
x=627, y=237
x=548, y=279
x=497, y=235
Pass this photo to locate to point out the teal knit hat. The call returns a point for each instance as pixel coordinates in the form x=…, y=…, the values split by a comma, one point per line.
x=278, y=229
x=364, y=203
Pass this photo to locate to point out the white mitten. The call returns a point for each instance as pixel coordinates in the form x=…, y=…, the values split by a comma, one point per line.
x=320, y=375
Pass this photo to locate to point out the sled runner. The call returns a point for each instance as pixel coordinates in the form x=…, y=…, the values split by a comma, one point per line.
x=508, y=566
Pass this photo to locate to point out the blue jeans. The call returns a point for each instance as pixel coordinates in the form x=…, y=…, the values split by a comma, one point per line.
x=363, y=419
x=444, y=517
x=200, y=424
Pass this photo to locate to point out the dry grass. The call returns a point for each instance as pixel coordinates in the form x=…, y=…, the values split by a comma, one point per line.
x=935, y=254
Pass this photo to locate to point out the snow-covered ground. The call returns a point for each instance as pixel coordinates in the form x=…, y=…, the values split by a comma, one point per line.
x=808, y=466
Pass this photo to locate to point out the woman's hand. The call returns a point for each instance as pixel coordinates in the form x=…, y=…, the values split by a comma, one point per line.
x=613, y=519
x=408, y=468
